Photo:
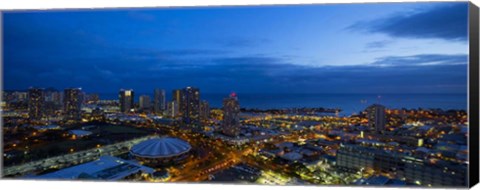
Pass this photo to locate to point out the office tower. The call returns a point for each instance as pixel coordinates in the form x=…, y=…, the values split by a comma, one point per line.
x=144, y=101
x=126, y=100
x=204, y=110
x=190, y=105
x=36, y=102
x=159, y=101
x=177, y=96
x=72, y=103
x=376, y=117
x=172, y=110
x=231, y=111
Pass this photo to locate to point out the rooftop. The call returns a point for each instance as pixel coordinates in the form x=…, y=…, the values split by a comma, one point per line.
x=80, y=133
x=105, y=168
x=380, y=180
x=160, y=147
x=292, y=156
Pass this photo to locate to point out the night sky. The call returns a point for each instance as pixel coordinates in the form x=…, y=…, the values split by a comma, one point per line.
x=349, y=48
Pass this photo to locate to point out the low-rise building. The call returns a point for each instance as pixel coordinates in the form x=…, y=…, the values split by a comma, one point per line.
x=105, y=168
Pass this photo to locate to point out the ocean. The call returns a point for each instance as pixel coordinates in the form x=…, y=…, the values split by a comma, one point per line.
x=349, y=103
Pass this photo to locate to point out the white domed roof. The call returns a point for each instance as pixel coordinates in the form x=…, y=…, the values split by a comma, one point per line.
x=160, y=147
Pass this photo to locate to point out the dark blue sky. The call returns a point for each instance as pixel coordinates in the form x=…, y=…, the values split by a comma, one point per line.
x=349, y=48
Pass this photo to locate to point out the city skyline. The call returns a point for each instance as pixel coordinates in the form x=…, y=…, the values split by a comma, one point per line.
x=346, y=103
x=304, y=49
x=333, y=94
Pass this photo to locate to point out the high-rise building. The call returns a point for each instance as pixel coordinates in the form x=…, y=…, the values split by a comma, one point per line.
x=36, y=102
x=190, y=105
x=177, y=96
x=144, y=102
x=172, y=110
x=204, y=110
x=126, y=100
x=376, y=117
x=159, y=101
x=231, y=120
x=72, y=103
x=53, y=101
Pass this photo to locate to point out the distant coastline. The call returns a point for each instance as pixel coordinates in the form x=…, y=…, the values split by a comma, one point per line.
x=348, y=103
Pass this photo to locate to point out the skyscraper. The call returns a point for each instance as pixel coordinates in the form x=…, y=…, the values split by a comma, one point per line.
x=177, y=96
x=159, y=101
x=126, y=100
x=72, y=103
x=376, y=117
x=231, y=120
x=144, y=102
x=172, y=110
x=190, y=105
x=204, y=110
x=36, y=102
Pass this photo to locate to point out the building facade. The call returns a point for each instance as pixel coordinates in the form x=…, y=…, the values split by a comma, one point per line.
x=36, y=103
x=354, y=158
x=440, y=174
x=72, y=103
x=172, y=110
x=376, y=117
x=410, y=169
x=159, y=104
x=177, y=96
x=190, y=105
x=126, y=100
x=144, y=102
x=231, y=120
x=204, y=110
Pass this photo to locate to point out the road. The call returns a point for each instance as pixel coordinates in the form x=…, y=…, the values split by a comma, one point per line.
x=191, y=173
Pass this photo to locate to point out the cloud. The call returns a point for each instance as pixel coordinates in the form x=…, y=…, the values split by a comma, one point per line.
x=378, y=44
x=236, y=42
x=421, y=60
x=448, y=22
x=250, y=74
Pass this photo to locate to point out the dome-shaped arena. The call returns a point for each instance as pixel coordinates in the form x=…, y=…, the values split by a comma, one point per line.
x=161, y=151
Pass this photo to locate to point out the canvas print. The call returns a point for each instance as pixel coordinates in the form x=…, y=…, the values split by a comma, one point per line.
x=319, y=94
